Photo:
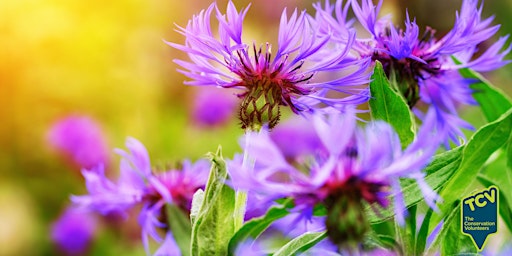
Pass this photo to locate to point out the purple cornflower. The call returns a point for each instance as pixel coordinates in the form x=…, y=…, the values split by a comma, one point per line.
x=138, y=185
x=421, y=65
x=73, y=232
x=212, y=107
x=296, y=75
x=352, y=165
x=81, y=139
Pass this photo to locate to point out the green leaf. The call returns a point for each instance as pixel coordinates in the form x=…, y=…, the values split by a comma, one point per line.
x=509, y=153
x=504, y=207
x=214, y=224
x=494, y=103
x=499, y=173
x=421, y=239
x=180, y=226
x=482, y=144
x=407, y=233
x=437, y=174
x=386, y=228
x=387, y=105
x=450, y=239
x=301, y=243
x=492, y=100
x=374, y=240
x=254, y=227
x=240, y=208
x=382, y=235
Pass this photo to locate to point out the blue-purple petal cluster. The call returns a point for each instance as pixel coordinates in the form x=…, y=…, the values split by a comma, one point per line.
x=139, y=185
x=297, y=74
x=369, y=160
x=422, y=65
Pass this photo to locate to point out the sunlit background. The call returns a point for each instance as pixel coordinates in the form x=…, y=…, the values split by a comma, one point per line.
x=107, y=61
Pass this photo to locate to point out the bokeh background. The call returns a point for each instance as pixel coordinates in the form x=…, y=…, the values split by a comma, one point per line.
x=107, y=60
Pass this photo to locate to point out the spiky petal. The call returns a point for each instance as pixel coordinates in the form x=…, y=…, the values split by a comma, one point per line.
x=296, y=75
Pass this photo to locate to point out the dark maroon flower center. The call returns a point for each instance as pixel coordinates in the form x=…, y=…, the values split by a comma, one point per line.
x=346, y=220
x=180, y=190
x=407, y=73
x=268, y=86
x=357, y=190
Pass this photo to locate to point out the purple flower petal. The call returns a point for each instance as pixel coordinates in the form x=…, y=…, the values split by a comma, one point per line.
x=74, y=231
x=81, y=139
x=168, y=247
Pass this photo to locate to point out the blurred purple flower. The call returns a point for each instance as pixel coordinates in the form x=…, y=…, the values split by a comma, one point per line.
x=290, y=77
x=213, y=107
x=138, y=185
x=353, y=165
x=74, y=231
x=295, y=137
x=81, y=139
x=422, y=65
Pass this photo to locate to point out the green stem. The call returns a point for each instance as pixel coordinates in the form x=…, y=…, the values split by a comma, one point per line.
x=240, y=208
x=241, y=195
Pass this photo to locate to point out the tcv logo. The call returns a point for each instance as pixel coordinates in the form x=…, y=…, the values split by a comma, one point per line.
x=479, y=216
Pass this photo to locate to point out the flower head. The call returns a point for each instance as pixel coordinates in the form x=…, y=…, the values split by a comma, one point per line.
x=81, y=139
x=212, y=108
x=292, y=76
x=353, y=165
x=422, y=66
x=139, y=185
x=73, y=231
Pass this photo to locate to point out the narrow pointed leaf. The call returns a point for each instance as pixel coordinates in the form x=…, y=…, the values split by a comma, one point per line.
x=387, y=105
x=509, y=153
x=504, y=206
x=498, y=173
x=491, y=99
x=421, y=239
x=450, y=240
x=407, y=234
x=253, y=228
x=214, y=223
x=387, y=242
x=479, y=148
x=180, y=226
x=301, y=243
